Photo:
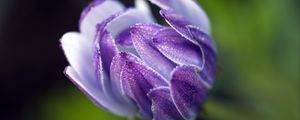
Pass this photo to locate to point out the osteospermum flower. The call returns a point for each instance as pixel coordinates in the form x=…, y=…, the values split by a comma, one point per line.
x=129, y=65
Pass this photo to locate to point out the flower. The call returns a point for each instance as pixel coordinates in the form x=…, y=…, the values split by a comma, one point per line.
x=129, y=65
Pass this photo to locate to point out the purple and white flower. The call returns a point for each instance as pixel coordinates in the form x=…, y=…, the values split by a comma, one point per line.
x=129, y=65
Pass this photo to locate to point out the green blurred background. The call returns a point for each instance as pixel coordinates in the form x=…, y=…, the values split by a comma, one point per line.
x=258, y=67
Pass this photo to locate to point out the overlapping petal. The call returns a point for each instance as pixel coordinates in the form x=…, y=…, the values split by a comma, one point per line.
x=203, y=38
x=188, y=90
x=79, y=54
x=196, y=36
x=95, y=13
x=163, y=107
x=116, y=68
x=142, y=35
x=127, y=19
x=164, y=4
x=177, y=48
x=193, y=13
x=209, y=71
x=93, y=91
x=105, y=50
x=127, y=64
x=137, y=80
x=178, y=22
x=190, y=11
x=144, y=7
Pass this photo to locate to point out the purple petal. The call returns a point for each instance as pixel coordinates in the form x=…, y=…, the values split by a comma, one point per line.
x=209, y=49
x=196, y=36
x=163, y=107
x=193, y=13
x=164, y=4
x=209, y=71
x=119, y=24
x=144, y=7
x=95, y=13
x=142, y=35
x=94, y=92
x=88, y=8
x=183, y=27
x=130, y=17
x=189, y=10
x=188, y=90
x=124, y=38
x=116, y=67
x=149, y=29
x=177, y=48
x=201, y=37
x=113, y=26
x=79, y=54
x=90, y=90
x=178, y=22
x=104, y=51
x=137, y=80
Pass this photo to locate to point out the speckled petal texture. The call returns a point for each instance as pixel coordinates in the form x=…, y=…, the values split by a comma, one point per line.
x=131, y=66
x=188, y=91
x=177, y=48
x=142, y=35
x=163, y=107
x=137, y=80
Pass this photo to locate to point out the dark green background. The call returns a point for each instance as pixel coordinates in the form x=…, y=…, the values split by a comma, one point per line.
x=258, y=78
x=258, y=67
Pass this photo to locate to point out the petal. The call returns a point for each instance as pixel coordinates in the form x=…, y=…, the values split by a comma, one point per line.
x=90, y=90
x=189, y=10
x=196, y=36
x=106, y=49
x=127, y=19
x=163, y=107
x=210, y=52
x=184, y=27
x=178, y=22
x=201, y=37
x=144, y=7
x=95, y=13
x=93, y=91
x=188, y=91
x=137, y=80
x=124, y=38
x=209, y=71
x=79, y=55
x=104, y=52
x=116, y=67
x=142, y=35
x=164, y=4
x=177, y=48
x=148, y=29
x=113, y=26
x=88, y=8
x=193, y=13
x=120, y=27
